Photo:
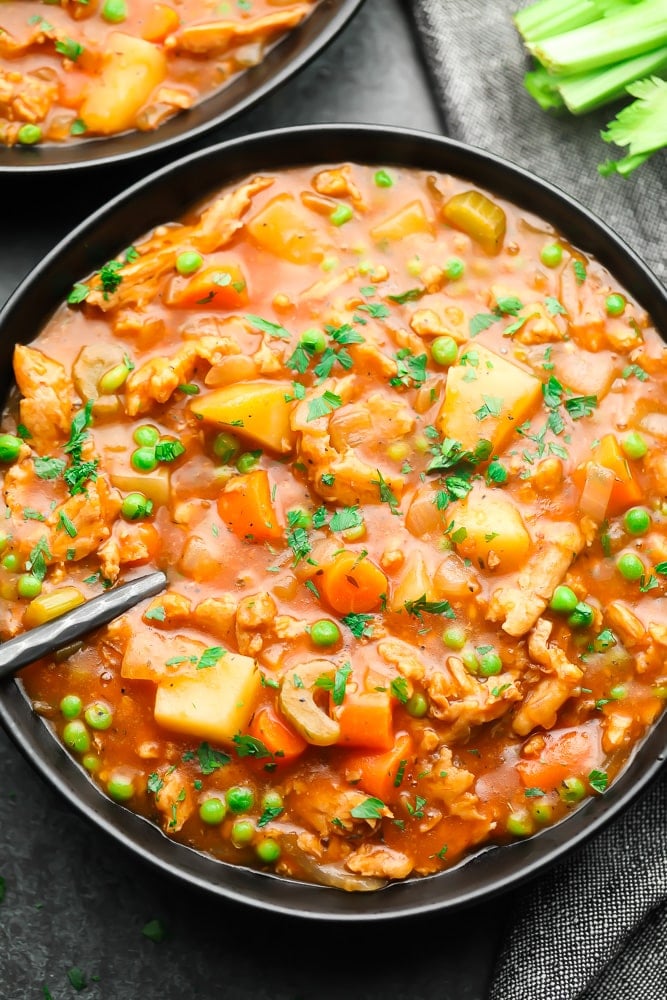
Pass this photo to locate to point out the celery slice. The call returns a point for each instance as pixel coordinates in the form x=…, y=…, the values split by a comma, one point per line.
x=593, y=90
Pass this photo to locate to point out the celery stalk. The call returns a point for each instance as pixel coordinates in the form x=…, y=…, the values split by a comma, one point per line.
x=543, y=88
x=632, y=32
x=592, y=90
x=553, y=17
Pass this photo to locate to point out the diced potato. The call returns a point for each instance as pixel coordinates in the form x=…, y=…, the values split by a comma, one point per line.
x=478, y=217
x=131, y=69
x=496, y=537
x=410, y=219
x=414, y=582
x=285, y=228
x=215, y=704
x=154, y=484
x=487, y=397
x=257, y=411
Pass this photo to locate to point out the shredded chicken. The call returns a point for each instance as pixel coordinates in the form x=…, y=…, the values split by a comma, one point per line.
x=451, y=787
x=338, y=183
x=319, y=801
x=175, y=800
x=220, y=36
x=125, y=546
x=92, y=515
x=625, y=623
x=48, y=392
x=461, y=700
x=254, y=618
x=402, y=656
x=379, y=861
x=519, y=606
x=217, y=615
x=542, y=702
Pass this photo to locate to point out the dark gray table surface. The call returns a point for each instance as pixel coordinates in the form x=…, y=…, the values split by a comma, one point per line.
x=74, y=897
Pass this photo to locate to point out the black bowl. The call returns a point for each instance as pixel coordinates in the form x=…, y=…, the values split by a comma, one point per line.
x=164, y=196
x=288, y=56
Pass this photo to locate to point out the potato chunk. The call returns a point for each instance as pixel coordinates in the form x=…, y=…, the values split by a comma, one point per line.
x=257, y=411
x=284, y=228
x=486, y=397
x=495, y=535
x=132, y=68
x=408, y=220
x=215, y=704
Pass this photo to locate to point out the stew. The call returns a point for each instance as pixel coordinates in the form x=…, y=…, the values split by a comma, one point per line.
x=76, y=69
x=400, y=449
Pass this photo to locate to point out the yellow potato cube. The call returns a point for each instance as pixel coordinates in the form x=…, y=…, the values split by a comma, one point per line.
x=154, y=484
x=213, y=703
x=414, y=582
x=495, y=535
x=410, y=219
x=131, y=70
x=486, y=397
x=285, y=228
x=257, y=411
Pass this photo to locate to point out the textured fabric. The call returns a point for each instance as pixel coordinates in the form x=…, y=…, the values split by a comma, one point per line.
x=477, y=64
x=595, y=927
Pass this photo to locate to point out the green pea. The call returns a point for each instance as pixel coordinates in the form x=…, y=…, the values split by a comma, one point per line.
x=583, y=616
x=146, y=436
x=226, y=446
x=135, y=506
x=212, y=811
x=417, y=705
x=240, y=799
x=313, y=340
x=324, y=632
x=243, y=832
x=71, y=706
x=11, y=562
x=382, y=179
x=637, y=521
x=454, y=268
x=615, y=305
x=563, y=600
x=28, y=135
x=300, y=519
x=29, y=585
x=120, y=788
x=444, y=350
x=490, y=664
x=634, y=445
x=10, y=447
x=268, y=850
x=572, y=790
x=247, y=461
x=551, y=255
x=272, y=800
x=189, y=261
x=630, y=566
x=470, y=661
x=519, y=824
x=143, y=459
x=91, y=762
x=617, y=692
x=542, y=812
x=114, y=11
x=454, y=637
x=98, y=715
x=341, y=214
x=75, y=736
x=112, y=380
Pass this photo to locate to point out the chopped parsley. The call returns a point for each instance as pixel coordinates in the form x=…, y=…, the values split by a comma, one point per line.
x=210, y=657
x=554, y=307
x=269, y=813
x=110, y=277
x=340, y=683
x=579, y=271
x=65, y=524
x=156, y=614
x=346, y=518
x=635, y=370
x=48, y=468
x=69, y=48
x=493, y=407
x=155, y=783
x=323, y=405
x=250, y=746
x=399, y=689
x=37, y=560
x=581, y=406
x=387, y=495
x=371, y=808
x=409, y=368
x=359, y=623
x=410, y=295
x=421, y=606
x=168, y=451
x=598, y=780
x=154, y=930
x=210, y=760
x=266, y=326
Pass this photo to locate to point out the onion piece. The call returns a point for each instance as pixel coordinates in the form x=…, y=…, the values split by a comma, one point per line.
x=597, y=491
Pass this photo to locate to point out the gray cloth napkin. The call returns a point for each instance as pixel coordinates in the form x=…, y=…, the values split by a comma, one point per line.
x=595, y=927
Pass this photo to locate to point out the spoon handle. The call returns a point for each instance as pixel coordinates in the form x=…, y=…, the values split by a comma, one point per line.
x=46, y=638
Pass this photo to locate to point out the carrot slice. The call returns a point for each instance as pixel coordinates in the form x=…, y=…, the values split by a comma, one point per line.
x=276, y=734
x=160, y=21
x=245, y=507
x=626, y=491
x=221, y=286
x=380, y=773
x=352, y=584
x=567, y=754
x=365, y=719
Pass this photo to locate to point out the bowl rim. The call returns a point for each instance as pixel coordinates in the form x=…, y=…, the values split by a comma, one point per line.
x=494, y=869
x=214, y=110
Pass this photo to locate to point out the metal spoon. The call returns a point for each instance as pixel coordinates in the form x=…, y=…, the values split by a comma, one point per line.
x=47, y=638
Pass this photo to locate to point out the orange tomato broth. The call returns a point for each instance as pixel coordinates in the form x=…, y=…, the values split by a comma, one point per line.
x=87, y=68
x=450, y=707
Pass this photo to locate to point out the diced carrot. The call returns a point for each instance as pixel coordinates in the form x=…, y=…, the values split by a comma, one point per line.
x=567, y=754
x=160, y=21
x=71, y=87
x=352, y=584
x=379, y=772
x=365, y=719
x=221, y=286
x=245, y=507
x=626, y=491
x=276, y=734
